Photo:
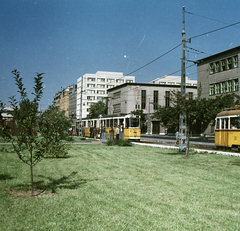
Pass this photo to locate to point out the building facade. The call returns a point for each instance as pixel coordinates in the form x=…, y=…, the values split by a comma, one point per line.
x=219, y=73
x=93, y=87
x=61, y=99
x=142, y=96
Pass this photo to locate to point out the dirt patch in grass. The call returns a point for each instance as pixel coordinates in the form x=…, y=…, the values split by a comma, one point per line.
x=17, y=194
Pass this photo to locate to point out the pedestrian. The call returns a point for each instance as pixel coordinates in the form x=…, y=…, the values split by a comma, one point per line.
x=91, y=132
x=117, y=132
x=177, y=137
x=94, y=132
x=102, y=131
x=111, y=134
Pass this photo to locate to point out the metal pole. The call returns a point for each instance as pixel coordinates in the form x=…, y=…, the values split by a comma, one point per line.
x=149, y=123
x=182, y=116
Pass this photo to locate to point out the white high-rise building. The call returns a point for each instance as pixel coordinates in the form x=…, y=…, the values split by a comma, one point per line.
x=93, y=87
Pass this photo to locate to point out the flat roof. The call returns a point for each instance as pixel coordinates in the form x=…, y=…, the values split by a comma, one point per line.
x=149, y=85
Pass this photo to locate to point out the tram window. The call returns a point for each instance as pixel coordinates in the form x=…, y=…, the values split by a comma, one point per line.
x=217, y=124
x=111, y=122
x=107, y=125
x=226, y=125
x=120, y=121
x=223, y=127
x=235, y=122
x=135, y=122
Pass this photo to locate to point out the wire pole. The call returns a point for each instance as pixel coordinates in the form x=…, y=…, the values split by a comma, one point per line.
x=182, y=116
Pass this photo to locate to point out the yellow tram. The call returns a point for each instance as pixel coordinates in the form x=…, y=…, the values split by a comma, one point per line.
x=227, y=129
x=129, y=122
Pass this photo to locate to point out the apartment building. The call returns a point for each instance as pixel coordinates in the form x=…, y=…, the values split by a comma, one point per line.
x=61, y=99
x=93, y=87
x=219, y=73
x=136, y=96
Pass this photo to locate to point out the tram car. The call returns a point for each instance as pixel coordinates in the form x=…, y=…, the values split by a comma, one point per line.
x=130, y=126
x=227, y=129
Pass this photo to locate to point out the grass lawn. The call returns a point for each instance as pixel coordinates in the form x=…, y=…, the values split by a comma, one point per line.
x=102, y=187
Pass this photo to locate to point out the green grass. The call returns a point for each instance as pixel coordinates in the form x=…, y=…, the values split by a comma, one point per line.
x=101, y=187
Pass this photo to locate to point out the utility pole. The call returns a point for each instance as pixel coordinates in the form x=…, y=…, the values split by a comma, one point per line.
x=182, y=116
x=149, y=122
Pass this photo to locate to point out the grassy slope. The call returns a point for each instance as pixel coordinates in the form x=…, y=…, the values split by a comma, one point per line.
x=123, y=188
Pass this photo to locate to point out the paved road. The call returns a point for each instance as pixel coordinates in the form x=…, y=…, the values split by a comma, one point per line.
x=194, y=141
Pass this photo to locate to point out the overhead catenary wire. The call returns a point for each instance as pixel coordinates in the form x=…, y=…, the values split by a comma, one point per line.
x=153, y=60
x=209, y=32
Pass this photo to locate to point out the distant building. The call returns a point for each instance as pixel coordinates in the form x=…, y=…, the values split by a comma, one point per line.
x=173, y=80
x=136, y=96
x=93, y=87
x=61, y=99
x=219, y=74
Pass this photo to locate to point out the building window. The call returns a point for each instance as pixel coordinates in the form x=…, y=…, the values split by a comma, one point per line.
x=216, y=67
x=90, y=97
x=90, y=104
x=217, y=88
x=91, y=91
x=117, y=108
x=229, y=63
x=100, y=92
x=100, y=79
x=90, y=85
x=143, y=99
x=91, y=79
x=110, y=86
x=223, y=66
x=235, y=61
x=137, y=106
x=235, y=84
x=129, y=81
x=223, y=87
x=167, y=98
x=117, y=95
x=211, y=68
x=111, y=80
x=155, y=99
x=120, y=81
x=100, y=86
x=100, y=97
x=229, y=86
x=211, y=90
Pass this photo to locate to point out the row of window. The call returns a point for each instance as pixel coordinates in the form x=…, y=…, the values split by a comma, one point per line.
x=155, y=98
x=93, y=91
x=224, y=87
x=99, y=86
x=108, y=80
x=90, y=98
x=224, y=64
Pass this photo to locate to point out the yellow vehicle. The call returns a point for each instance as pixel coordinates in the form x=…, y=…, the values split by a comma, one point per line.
x=227, y=129
x=130, y=124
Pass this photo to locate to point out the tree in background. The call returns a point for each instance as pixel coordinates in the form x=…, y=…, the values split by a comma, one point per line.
x=97, y=108
x=25, y=114
x=200, y=112
x=53, y=125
